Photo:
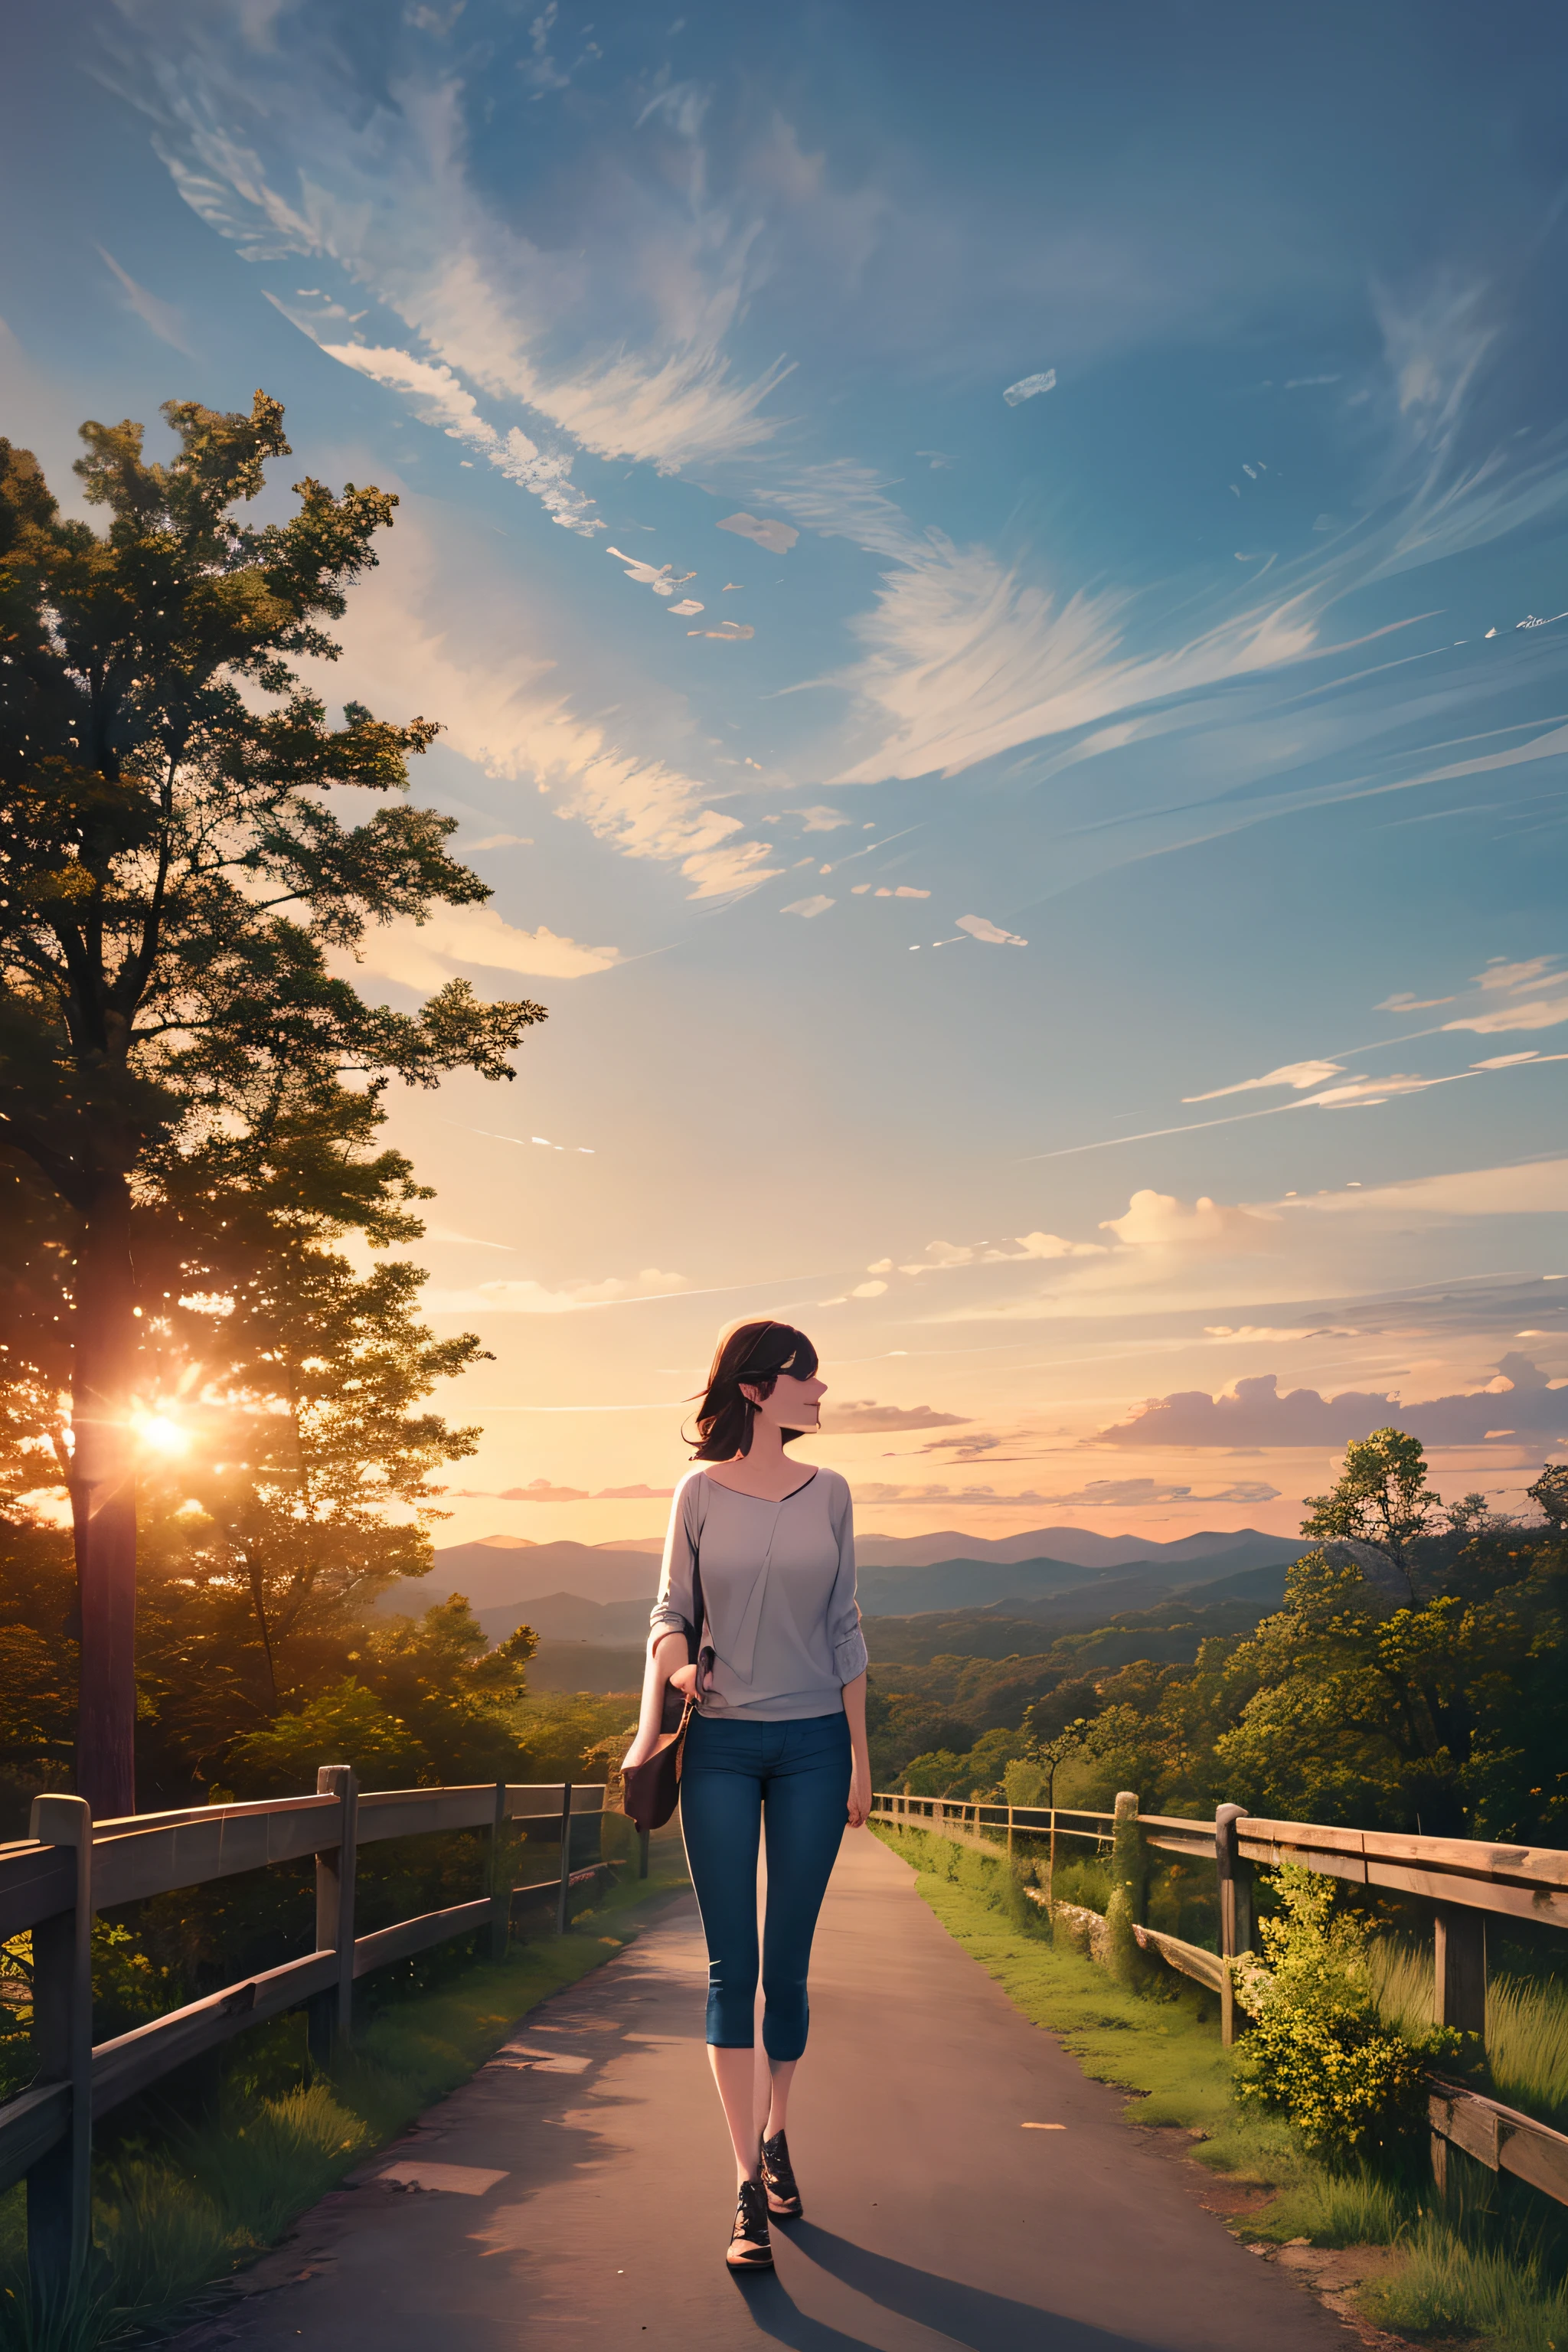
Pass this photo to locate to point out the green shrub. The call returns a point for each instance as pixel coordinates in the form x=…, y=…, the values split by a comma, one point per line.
x=1024, y=1782
x=1084, y=1878
x=1319, y=2051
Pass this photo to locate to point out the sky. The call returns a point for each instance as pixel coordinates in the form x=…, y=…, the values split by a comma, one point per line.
x=1005, y=659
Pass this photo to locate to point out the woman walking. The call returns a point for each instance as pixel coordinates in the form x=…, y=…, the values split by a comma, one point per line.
x=776, y=1747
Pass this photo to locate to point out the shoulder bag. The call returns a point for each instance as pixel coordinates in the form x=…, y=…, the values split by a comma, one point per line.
x=649, y=1791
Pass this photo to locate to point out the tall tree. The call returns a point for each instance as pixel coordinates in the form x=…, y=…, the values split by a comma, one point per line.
x=1382, y=1501
x=173, y=873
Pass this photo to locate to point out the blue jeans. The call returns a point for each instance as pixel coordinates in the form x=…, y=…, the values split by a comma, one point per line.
x=735, y=1775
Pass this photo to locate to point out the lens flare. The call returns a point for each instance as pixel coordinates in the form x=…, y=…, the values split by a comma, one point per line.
x=160, y=1435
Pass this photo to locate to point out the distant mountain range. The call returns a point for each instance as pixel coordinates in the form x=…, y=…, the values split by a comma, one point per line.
x=599, y=1593
x=1034, y=1584
x=568, y=1617
x=1078, y=1629
x=1079, y=1547
x=507, y=1568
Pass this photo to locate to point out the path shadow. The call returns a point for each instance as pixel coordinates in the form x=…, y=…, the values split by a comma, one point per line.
x=969, y=2315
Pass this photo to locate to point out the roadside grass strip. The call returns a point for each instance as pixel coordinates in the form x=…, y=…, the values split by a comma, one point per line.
x=1470, y=2274
x=188, y=2204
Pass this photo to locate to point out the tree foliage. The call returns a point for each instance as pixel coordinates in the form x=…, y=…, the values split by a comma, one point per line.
x=181, y=887
x=1433, y=1697
x=1380, y=1498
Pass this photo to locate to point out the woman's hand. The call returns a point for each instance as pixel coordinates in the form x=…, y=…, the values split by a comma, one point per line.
x=860, y=1806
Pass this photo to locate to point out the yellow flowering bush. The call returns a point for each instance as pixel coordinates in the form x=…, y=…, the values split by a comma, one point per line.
x=1318, y=2052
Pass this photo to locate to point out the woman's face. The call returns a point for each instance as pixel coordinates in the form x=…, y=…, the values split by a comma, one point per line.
x=794, y=1404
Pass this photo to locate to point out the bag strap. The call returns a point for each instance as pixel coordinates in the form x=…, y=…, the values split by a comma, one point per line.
x=698, y=1604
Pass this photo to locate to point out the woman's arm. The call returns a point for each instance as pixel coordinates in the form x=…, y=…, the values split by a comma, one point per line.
x=669, y=1653
x=666, y=1663
x=861, y=1775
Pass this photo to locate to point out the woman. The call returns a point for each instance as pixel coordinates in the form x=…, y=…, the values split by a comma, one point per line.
x=778, y=1738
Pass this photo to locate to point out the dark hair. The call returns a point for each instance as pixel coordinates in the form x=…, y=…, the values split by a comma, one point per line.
x=756, y=1353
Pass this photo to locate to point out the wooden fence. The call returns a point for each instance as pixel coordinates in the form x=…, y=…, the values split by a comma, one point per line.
x=54, y=1882
x=1462, y=1879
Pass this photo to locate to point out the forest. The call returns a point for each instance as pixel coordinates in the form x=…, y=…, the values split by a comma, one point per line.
x=1414, y=1678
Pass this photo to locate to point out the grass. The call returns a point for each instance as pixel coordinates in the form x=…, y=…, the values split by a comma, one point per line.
x=1527, y=2027
x=1449, y=2289
x=178, y=2211
x=1487, y=2269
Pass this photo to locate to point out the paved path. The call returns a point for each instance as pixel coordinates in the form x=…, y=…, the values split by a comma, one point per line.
x=933, y=2217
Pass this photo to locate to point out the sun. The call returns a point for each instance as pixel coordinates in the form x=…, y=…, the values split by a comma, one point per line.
x=160, y=1435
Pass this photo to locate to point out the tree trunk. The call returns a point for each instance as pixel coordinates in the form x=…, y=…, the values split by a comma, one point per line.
x=103, y=1503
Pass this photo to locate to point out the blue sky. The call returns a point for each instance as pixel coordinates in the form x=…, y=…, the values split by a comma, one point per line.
x=996, y=592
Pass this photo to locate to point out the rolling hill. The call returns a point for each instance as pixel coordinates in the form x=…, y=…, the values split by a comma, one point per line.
x=567, y=1617
x=1028, y=1586
x=498, y=1569
x=1078, y=1546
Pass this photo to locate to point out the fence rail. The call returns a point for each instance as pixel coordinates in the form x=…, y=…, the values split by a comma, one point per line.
x=54, y=1883
x=1462, y=1879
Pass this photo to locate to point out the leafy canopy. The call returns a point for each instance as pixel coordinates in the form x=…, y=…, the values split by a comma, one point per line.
x=175, y=866
x=1382, y=1497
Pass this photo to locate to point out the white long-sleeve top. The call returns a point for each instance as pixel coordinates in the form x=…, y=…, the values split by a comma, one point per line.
x=778, y=1584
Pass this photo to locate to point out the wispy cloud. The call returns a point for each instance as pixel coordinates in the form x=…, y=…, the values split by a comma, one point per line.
x=864, y=1418
x=164, y=319
x=438, y=398
x=453, y=941
x=1499, y=974
x=778, y=537
x=543, y=1490
x=944, y=1257
x=571, y=1298
x=1098, y=1495
x=1544, y=1013
x=502, y=709
x=966, y=656
x=980, y=928
x=1299, y=1075
x=274, y=146
x=662, y=578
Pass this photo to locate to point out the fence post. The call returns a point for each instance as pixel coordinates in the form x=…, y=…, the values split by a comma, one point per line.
x=59, y=2186
x=499, y=1877
x=1128, y=1866
x=1458, y=1992
x=564, y=1901
x=331, y=2013
x=1234, y=1882
x=1460, y=1984
x=642, y=1853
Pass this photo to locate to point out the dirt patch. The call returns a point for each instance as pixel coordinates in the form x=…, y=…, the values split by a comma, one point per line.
x=1333, y=2273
